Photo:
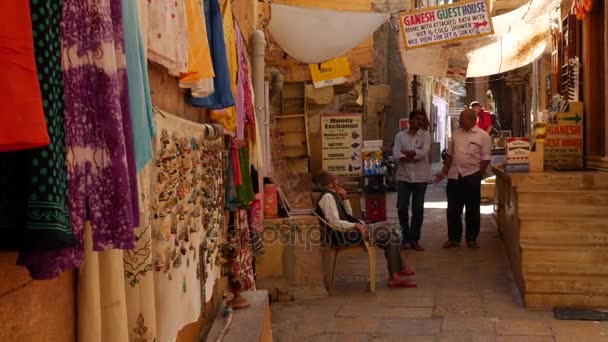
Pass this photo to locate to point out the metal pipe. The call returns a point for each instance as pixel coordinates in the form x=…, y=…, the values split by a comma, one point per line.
x=258, y=43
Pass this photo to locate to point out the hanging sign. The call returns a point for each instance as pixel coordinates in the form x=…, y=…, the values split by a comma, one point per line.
x=444, y=24
x=341, y=142
x=332, y=72
x=564, y=139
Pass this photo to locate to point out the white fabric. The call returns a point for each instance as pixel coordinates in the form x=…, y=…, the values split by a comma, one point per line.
x=468, y=149
x=419, y=170
x=329, y=207
x=519, y=38
x=317, y=35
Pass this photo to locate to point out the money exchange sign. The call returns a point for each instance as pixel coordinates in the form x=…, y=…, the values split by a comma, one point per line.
x=341, y=142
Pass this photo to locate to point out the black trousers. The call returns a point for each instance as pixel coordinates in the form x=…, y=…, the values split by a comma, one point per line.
x=464, y=192
x=405, y=190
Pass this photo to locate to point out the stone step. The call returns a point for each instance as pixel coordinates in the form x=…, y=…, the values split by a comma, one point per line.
x=563, y=231
x=563, y=203
x=562, y=180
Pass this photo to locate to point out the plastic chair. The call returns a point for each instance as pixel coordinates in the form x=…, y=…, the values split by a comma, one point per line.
x=335, y=251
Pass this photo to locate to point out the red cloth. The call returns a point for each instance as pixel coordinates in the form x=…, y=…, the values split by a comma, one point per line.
x=484, y=120
x=22, y=123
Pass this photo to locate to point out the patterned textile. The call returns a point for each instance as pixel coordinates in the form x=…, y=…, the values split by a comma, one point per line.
x=222, y=96
x=22, y=124
x=34, y=212
x=187, y=180
x=140, y=101
x=99, y=136
x=138, y=276
x=168, y=35
x=243, y=265
x=244, y=96
x=256, y=226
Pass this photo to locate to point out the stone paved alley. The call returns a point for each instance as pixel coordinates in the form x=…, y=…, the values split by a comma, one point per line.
x=462, y=295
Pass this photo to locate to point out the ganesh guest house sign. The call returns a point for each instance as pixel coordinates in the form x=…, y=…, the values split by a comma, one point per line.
x=444, y=24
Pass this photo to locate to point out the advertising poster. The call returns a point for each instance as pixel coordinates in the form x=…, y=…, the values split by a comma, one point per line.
x=443, y=24
x=342, y=142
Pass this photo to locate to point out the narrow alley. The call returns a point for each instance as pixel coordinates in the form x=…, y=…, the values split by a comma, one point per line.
x=462, y=295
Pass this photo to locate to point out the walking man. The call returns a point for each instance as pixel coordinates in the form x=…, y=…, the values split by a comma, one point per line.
x=411, y=149
x=469, y=154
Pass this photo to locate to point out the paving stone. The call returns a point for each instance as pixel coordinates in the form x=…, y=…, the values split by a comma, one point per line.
x=466, y=337
x=523, y=327
x=475, y=324
x=526, y=338
x=575, y=331
x=404, y=338
x=378, y=311
x=409, y=327
x=353, y=325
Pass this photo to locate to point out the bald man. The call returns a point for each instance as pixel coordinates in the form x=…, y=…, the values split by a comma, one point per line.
x=469, y=154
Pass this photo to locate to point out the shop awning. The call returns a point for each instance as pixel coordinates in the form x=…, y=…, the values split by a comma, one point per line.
x=520, y=37
x=317, y=35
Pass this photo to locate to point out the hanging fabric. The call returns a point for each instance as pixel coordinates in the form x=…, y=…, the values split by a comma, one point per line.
x=188, y=191
x=22, y=124
x=199, y=77
x=99, y=135
x=313, y=35
x=100, y=296
x=140, y=101
x=227, y=116
x=168, y=35
x=34, y=212
x=222, y=96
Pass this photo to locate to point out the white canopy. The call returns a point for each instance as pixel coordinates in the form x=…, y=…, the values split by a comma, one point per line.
x=519, y=38
x=317, y=35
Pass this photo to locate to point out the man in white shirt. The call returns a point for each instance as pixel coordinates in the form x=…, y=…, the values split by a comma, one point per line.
x=469, y=154
x=411, y=149
x=346, y=230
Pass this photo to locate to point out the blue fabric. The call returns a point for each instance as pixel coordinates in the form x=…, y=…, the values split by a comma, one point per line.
x=222, y=96
x=140, y=101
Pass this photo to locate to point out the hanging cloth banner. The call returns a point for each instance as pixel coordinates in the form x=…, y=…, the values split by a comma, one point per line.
x=332, y=72
x=445, y=24
x=317, y=35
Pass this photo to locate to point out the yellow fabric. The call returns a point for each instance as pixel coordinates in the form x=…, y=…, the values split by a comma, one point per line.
x=227, y=117
x=200, y=66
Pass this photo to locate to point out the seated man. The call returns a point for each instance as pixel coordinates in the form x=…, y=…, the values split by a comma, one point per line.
x=335, y=208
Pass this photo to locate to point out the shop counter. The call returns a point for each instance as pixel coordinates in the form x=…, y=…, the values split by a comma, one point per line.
x=554, y=226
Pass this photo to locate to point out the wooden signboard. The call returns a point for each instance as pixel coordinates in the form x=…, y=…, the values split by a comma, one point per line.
x=445, y=24
x=564, y=139
x=341, y=142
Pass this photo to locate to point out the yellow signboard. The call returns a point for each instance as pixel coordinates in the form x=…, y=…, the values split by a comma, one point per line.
x=446, y=24
x=341, y=142
x=335, y=71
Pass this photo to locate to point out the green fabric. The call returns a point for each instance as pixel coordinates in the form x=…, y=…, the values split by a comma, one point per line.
x=244, y=191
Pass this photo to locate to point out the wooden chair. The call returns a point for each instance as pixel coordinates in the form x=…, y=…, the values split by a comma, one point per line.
x=367, y=247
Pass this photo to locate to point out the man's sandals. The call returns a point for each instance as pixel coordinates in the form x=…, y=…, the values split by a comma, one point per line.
x=403, y=283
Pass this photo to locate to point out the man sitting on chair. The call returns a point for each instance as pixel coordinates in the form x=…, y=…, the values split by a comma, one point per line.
x=346, y=230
